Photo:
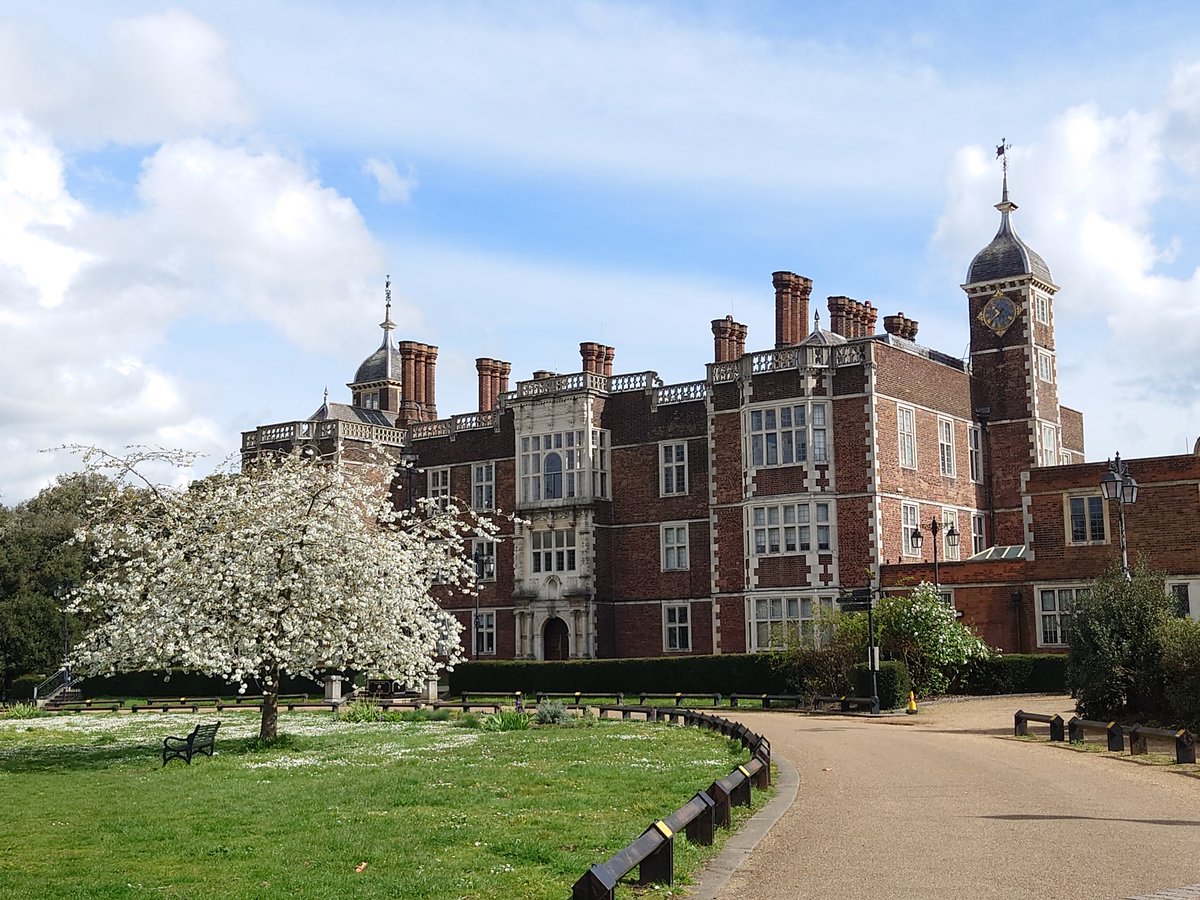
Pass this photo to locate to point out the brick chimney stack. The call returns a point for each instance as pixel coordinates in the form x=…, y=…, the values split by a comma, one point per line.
x=724, y=339
x=429, y=354
x=872, y=317
x=852, y=318
x=901, y=326
x=597, y=358
x=493, y=381
x=738, y=338
x=792, y=294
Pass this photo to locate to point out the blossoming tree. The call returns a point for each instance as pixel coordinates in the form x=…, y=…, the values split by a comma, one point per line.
x=291, y=566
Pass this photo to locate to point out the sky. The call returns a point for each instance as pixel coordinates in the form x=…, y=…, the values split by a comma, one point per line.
x=200, y=202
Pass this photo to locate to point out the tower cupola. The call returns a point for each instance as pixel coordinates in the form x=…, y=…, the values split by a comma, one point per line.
x=1007, y=256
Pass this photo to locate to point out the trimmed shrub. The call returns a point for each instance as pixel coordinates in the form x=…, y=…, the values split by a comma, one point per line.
x=728, y=673
x=1115, y=666
x=1180, y=641
x=1016, y=673
x=23, y=685
x=892, y=681
x=181, y=684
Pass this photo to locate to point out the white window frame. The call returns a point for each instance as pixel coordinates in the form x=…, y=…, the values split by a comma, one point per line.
x=1045, y=366
x=790, y=434
x=946, y=445
x=601, y=477
x=672, y=469
x=910, y=522
x=1052, y=614
x=1049, y=440
x=439, y=486
x=789, y=529
x=950, y=520
x=489, y=549
x=978, y=533
x=1041, y=308
x=553, y=550
x=677, y=627
x=975, y=452
x=1094, y=510
x=370, y=400
x=795, y=613
x=819, y=435
x=485, y=633
x=673, y=541
x=906, y=431
x=483, y=486
x=535, y=481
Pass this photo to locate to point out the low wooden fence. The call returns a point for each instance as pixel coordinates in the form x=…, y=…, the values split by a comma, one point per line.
x=653, y=852
x=1139, y=735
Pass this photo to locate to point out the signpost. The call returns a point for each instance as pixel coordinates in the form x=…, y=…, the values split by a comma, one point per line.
x=862, y=600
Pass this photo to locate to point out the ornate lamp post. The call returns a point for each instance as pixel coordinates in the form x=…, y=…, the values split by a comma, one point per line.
x=935, y=527
x=1117, y=484
x=485, y=570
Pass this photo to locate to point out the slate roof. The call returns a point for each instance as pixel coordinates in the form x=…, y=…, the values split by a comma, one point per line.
x=819, y=336
x=1007, y=255
x=374, y=367
x=344, y=412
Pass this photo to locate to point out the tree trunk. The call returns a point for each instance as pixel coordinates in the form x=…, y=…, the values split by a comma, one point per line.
x=268, y=728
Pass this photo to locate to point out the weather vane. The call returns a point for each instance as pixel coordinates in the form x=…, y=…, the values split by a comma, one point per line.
x=387, y=290
x=1002, y=153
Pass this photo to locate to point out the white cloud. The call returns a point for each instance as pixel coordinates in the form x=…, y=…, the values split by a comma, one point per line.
x=145, y=79
x=1128, y=332
x=88, y=300
x=393, y=187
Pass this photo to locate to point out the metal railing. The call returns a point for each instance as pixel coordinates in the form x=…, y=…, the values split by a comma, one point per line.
x=59, y=681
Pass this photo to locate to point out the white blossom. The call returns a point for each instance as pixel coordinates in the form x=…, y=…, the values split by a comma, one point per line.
x=294, y=565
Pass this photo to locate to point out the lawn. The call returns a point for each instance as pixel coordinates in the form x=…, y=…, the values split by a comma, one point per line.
x=334, y=809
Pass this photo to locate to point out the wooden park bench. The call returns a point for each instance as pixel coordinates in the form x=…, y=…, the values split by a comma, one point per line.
x=201, y=740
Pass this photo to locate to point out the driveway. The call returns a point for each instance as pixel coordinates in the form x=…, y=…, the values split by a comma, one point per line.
x=940, y=805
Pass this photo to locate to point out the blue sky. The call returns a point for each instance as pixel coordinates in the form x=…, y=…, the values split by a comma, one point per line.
x=199, y=202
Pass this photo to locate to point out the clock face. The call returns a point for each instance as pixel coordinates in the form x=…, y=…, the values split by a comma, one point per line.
x=998, y=313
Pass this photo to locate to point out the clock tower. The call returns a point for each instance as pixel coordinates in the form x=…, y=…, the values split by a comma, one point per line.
x=1014, y=383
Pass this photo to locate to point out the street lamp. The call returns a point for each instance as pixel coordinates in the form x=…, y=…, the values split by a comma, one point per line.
x=62, y=593
x=1117, y=484
x=408, y=464
x=934, y=527
x=485, y=570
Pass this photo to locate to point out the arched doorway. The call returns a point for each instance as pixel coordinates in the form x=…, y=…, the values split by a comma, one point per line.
x=555, y=640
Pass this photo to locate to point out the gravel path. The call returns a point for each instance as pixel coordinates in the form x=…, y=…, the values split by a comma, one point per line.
x=939, y=805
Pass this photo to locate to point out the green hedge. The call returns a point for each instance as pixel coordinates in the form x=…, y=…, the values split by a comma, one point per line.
x=727, y=673
x=23, y=685
x=1014, y=673
x=181, y=684
x=892, y=680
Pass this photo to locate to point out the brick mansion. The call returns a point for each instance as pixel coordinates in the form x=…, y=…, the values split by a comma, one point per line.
x=695, y=518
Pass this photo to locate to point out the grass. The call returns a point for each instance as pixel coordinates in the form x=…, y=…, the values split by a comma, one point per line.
x=432, y=809
x=1156, y=758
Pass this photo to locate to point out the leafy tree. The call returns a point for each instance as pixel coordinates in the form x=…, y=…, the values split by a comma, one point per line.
x=291, y=566
x=1180, y=642
x=36, y=557
x=820, y=660
x=923, y=631
x=1115, y=665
